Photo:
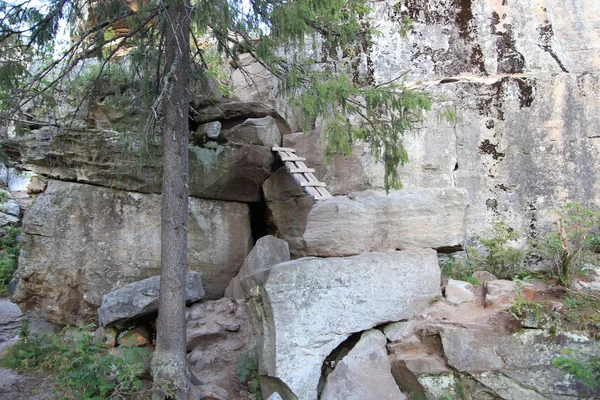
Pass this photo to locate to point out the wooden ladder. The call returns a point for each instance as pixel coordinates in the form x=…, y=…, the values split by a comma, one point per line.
x=302, y=174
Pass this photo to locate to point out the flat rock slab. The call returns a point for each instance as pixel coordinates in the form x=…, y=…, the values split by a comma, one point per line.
x=365, y=373
x=309, y=306
x=373, y=221
x=80, y=242
x=140, y=298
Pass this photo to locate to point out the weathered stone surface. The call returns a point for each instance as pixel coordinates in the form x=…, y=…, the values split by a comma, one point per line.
x=140, y=298
x=309, y=306
x=484, y=276
x=253, y=82
x=374, y=221
x=211, y=129
x=459, y=292
x=233, y=173
x=288, y=207
x=137, y=337
x=240, y=110
x=80, y=242
x=8, y=205
x=267, y=252
x=106, y=158
x=398, y=330
x=499, y=292
x=217, y=332
x=523, y=361
x=259, y=131
x=10, y=323
x=365, y=373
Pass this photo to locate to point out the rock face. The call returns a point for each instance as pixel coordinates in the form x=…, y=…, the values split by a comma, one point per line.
x=267, y=252
x=140, y=298
x=288, y=207
x=524, y=80
x=309, y=306
x=365, y=373
x=80, y=242
x=217, y=332
x=104, y=157
x=374, y=221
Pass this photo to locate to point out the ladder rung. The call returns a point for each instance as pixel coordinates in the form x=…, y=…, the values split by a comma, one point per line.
x=301, y=170
x=277, y=148
x=313, y=184
x=294, y=158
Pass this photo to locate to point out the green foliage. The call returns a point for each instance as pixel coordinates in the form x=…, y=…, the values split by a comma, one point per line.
x=573, y=244
x=522, y=309
x=459, y=269
x=584, y=367
x=582, y=312
x=9, y=255
x=83, y=368
x=499, y=256
x=247, y=372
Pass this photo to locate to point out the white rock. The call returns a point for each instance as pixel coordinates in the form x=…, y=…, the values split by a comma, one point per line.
x=458, y=292
x=364, y=373
x=309, y=306
x=376, y=221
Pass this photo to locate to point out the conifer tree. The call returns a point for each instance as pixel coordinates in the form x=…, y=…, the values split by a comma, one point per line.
x=351, y=105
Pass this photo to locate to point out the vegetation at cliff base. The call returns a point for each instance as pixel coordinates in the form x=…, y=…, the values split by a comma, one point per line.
x=84, y=368
x=9, y=255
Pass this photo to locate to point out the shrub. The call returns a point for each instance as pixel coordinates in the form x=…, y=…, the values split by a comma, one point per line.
x=573, y=244
x=498, y=256
x=460, y=269
x=581, y=366
x=9, y=254
x=84, y=369
x=247, y=372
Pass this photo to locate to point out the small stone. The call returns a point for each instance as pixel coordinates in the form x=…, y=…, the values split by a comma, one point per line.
x=107, y=336
x=458, y=292
x=484, y=276
x=137, y=337
x=398, y=330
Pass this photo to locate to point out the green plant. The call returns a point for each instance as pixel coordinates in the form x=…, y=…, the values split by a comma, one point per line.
x=581, y=366
x=460, y=269
x=499, y=255
x=247, y=372
x=573, y=244
x=581, y=312
x=9, y=254
x=84, y=369
x=522, y=309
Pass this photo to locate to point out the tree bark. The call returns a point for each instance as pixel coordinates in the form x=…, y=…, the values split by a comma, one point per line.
x=169, y=363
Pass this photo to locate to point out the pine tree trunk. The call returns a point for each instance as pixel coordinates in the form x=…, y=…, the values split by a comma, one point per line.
x=169, y=362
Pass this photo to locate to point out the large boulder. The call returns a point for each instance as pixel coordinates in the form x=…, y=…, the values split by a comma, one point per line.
x=140, y=298
x=309, y=306
x=267, y=252
x=80, y=242
x=364, y=373
x=288, y=207
x=376, y=221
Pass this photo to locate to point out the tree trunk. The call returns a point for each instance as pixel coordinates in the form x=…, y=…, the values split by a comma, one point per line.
x=169, y=363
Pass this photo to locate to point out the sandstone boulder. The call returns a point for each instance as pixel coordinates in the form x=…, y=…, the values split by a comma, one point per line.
x=309, y=306
x=374, y=221
x=288, y=207
x=258, y=131
x=140, y=298
x=80, y=242
x=364, y=373
x=240, y=110
x=267, y=252
x=459, y=292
